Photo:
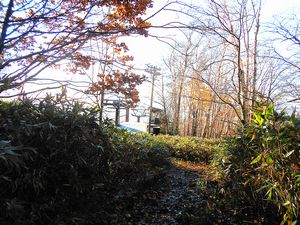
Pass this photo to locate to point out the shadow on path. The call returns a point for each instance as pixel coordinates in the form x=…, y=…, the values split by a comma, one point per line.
x=183, y=194
x=184, y=191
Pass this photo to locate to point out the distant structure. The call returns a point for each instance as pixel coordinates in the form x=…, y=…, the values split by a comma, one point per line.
x=139, y=113
x=154, y=72
x=154, y=124
x=118, y=105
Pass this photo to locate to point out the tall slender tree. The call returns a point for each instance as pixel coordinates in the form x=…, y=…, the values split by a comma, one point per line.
x=236, y=26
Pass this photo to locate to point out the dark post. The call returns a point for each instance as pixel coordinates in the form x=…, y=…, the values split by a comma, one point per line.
x=151, y=103
x=127, y=115
x=154, y=72
x=117, y=119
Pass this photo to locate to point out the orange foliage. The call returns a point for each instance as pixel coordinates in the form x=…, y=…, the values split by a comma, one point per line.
x=116, y=75
x=50, y=31
x=199, y=91
x=119, y=82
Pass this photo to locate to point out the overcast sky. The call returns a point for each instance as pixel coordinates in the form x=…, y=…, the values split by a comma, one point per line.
x=149, y=50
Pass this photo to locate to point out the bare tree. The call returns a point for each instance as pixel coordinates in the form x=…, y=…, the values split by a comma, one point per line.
x=179, y=67
x=286, y=46
x=163, y=99
x=201, y=112
x=236, y=26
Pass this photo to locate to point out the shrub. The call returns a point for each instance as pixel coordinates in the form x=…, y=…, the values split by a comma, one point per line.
x=50, y=158
x=189, y=148
x=263, y=162
x=138, y=154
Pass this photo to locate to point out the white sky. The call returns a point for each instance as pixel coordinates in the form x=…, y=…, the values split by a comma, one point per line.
x=149, y=50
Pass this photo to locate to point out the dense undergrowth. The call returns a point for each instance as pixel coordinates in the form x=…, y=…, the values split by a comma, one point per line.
x=55, y=160
x=192, y=149
x=51, y=158
x=59, y=166
x=260, y=168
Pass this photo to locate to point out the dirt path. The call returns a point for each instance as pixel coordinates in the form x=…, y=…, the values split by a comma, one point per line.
x=171, y=205
x=186, y=194
x=182, y=193
x=162, y=200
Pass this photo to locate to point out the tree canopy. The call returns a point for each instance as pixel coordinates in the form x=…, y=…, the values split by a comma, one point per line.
x=37, y=34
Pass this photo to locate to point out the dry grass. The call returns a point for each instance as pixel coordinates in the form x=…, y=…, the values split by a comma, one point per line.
x=207, y=172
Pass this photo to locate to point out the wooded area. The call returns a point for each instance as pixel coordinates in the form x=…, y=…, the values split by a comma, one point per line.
x=227, y=92
x=225, y=64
